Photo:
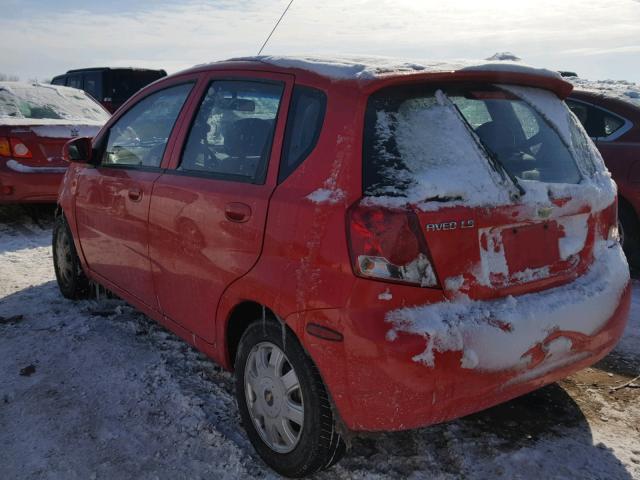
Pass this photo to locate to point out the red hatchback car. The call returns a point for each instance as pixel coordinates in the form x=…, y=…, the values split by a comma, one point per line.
x=613, y=123
x=369, y=246
x=36, y=121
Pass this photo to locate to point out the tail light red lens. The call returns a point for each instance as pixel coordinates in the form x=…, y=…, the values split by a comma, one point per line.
x=388, y=244
x=20, y=150
x=5, y=147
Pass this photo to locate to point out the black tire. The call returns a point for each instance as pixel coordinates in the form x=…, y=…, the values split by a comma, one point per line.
x=630, y=233
x=72, y=281
x=319, y=446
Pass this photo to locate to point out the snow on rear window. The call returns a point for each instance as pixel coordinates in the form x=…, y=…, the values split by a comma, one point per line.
x=422, y=151
x=31, y=102
x=475, y=146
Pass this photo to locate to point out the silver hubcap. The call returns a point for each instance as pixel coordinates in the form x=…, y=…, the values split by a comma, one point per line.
x=274, y=397
x=63, y=258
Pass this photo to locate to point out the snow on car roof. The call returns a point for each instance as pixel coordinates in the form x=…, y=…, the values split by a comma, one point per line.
x=24, y=103
x=371, y=67
x=620, y=89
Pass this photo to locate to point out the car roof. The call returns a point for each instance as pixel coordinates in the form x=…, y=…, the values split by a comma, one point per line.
x=370, y=73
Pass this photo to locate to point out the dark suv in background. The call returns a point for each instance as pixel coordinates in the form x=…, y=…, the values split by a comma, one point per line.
x=109, y=86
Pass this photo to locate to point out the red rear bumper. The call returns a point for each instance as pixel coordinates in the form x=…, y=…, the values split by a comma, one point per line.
x=377, y=385
x=31, y=187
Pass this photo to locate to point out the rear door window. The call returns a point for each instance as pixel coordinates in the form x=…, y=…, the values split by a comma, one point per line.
x=139, y=137
x=304, y=123
x=232, y=133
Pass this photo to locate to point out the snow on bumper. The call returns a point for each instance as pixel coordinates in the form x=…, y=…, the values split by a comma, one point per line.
x=535, y=332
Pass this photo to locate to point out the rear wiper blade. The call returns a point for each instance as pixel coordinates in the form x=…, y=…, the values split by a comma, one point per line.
x=494, y=161
x=500, y=168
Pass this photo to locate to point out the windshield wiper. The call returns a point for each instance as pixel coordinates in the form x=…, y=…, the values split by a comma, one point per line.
x=494, y=161
x=499, y=166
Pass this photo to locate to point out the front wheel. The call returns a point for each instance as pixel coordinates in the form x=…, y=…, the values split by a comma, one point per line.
x=72, y=281
x=283, y=402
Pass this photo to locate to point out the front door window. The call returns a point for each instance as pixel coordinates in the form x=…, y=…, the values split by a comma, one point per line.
x=140, y=136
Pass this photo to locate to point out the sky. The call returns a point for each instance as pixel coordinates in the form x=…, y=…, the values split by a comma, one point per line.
x=598, y=39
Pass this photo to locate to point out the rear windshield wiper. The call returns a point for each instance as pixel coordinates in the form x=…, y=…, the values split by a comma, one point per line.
x=499, y=166
x=494, y=161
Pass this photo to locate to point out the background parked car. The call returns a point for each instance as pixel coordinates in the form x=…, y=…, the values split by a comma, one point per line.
x=612, y=120
x=109, y=86
x=35, y=122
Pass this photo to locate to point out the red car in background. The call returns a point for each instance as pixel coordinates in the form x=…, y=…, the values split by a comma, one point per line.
x=369, y=246
x=36, y=120
x=613, y=123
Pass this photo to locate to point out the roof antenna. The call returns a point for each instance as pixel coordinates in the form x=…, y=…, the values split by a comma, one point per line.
x=274, y=28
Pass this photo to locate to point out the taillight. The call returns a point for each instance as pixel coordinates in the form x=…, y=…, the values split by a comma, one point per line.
x=609, y=222
x=20, y=150
x=5, y=147
x=388, y=244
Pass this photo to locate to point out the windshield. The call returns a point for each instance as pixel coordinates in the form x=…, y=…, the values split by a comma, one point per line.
x=437, y=144
x=48, y=102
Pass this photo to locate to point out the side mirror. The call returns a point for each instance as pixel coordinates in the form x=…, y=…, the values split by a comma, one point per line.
x=78, y=150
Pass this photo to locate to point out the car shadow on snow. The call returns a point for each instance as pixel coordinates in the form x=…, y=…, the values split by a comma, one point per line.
x=540, y=435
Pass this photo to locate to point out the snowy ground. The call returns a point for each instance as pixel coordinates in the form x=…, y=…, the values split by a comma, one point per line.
x=94, y=389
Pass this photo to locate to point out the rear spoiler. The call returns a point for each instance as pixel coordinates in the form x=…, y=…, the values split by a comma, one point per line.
x=531, y=78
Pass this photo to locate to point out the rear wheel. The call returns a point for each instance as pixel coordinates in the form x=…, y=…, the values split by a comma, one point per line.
x=72, y=281
x=283, y=403
x=629, y=233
